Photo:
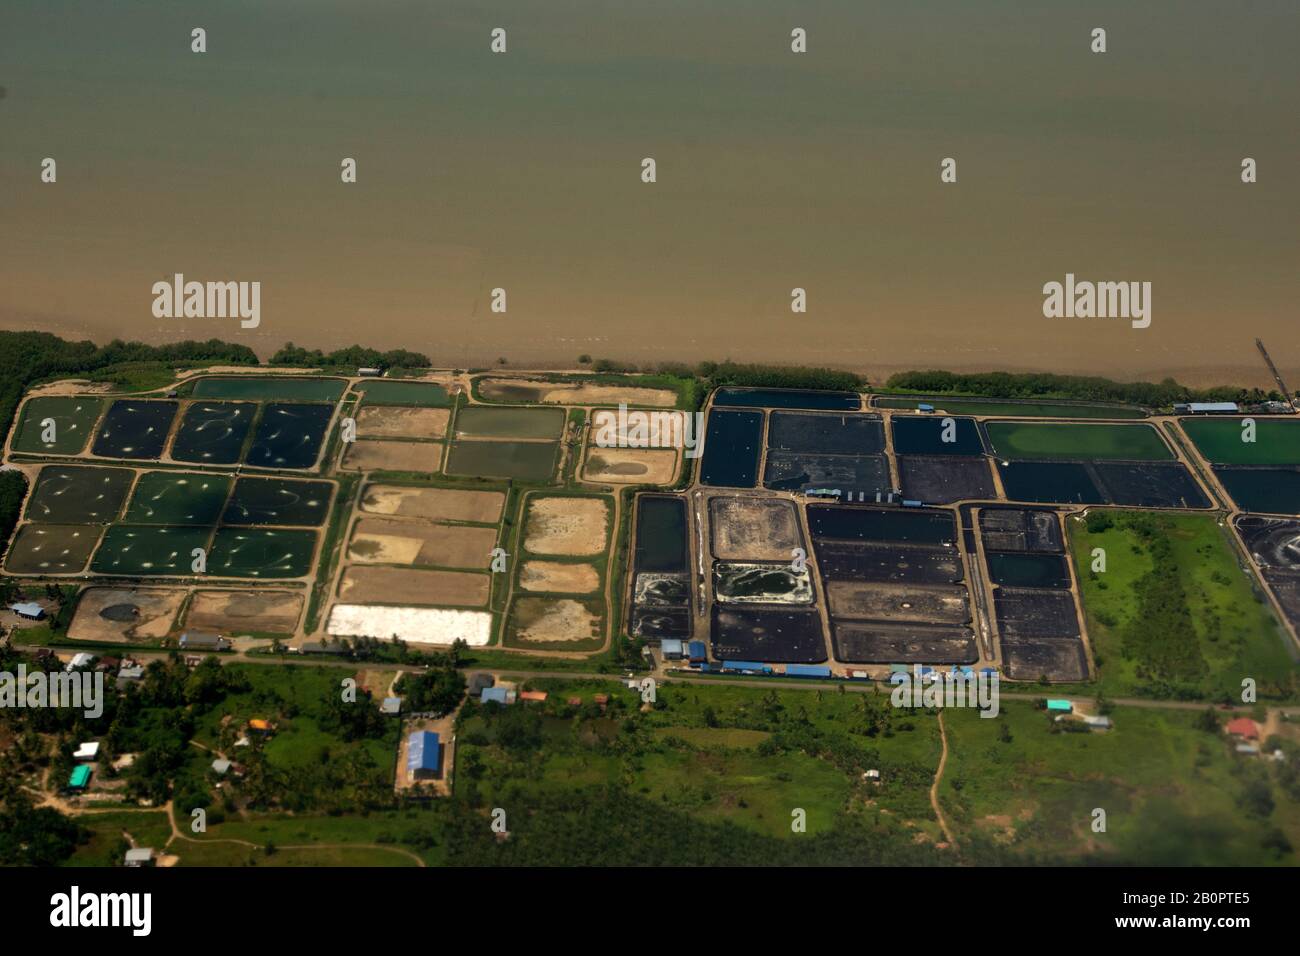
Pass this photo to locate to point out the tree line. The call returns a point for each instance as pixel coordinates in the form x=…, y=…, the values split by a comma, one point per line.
x=1080, y=387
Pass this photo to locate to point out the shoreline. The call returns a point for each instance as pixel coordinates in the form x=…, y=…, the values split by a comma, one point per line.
x=877, y=372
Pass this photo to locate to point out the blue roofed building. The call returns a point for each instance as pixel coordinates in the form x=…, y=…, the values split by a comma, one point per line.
x=746, y=667
x=28, y=609
x=424, y=755
x=808, y=670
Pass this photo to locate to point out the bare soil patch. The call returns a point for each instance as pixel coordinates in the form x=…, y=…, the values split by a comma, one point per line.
x=276, y=611
x=436, y=504
x=655, y=466
x=395, y=541
x=71, y=386
x=367, y=454
x=126, y=614
x=549, y=621
x=753, y=529
x=387, y=421
x=372, y=584
x=658, y=429
x=574, y=393
x=558, y=577
x=568, y=526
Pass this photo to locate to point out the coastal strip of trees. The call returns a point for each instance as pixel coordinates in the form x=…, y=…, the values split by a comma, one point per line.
x=354, y=356
x=1082, y=387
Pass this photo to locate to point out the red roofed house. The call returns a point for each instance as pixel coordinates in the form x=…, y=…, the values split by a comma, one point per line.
x=1244, y=727
x=533, y=695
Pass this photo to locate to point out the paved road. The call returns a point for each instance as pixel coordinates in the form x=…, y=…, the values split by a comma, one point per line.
x=670, y=676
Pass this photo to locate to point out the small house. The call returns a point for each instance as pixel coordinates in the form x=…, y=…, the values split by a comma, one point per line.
x=80, y=777
x=494, y=695
x=29, y=610
x=391, y=706
x=534, y=695
x=672, y=649
x=1059, y=706
x=221, y=766
x=87, y=751
x=139, y=856
x=1243, y=727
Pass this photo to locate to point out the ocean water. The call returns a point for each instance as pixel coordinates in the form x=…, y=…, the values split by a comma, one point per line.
x=775, y=170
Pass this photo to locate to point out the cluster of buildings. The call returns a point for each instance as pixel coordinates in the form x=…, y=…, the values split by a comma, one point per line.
x=86, y=754
x=125, y=669
x=1232, y=408
x=695, y=655
x=1246, y=735
x=1063, y=710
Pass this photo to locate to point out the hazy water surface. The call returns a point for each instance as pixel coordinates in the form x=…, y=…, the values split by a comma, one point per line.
x=775, y=171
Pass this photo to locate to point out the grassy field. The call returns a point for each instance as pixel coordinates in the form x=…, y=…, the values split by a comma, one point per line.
x=1174, y=614
x=1277, y=440
x=296, y=699
x=389, y=838
x=729, y=755
x=712, y=775
x=992, y=406
x=106, y=842
x=1173, y=794
x=1031, y=440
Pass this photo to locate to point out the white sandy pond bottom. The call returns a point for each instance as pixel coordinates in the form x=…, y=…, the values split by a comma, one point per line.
x=415, y=625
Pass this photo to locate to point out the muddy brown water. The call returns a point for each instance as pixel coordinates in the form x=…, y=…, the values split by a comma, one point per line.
x=775, y=170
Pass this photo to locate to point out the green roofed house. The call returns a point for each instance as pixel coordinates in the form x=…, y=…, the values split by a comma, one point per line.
x=1060, y=706
x=80, y=777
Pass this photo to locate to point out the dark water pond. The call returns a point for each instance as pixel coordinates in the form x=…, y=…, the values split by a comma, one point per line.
x=732, y=443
